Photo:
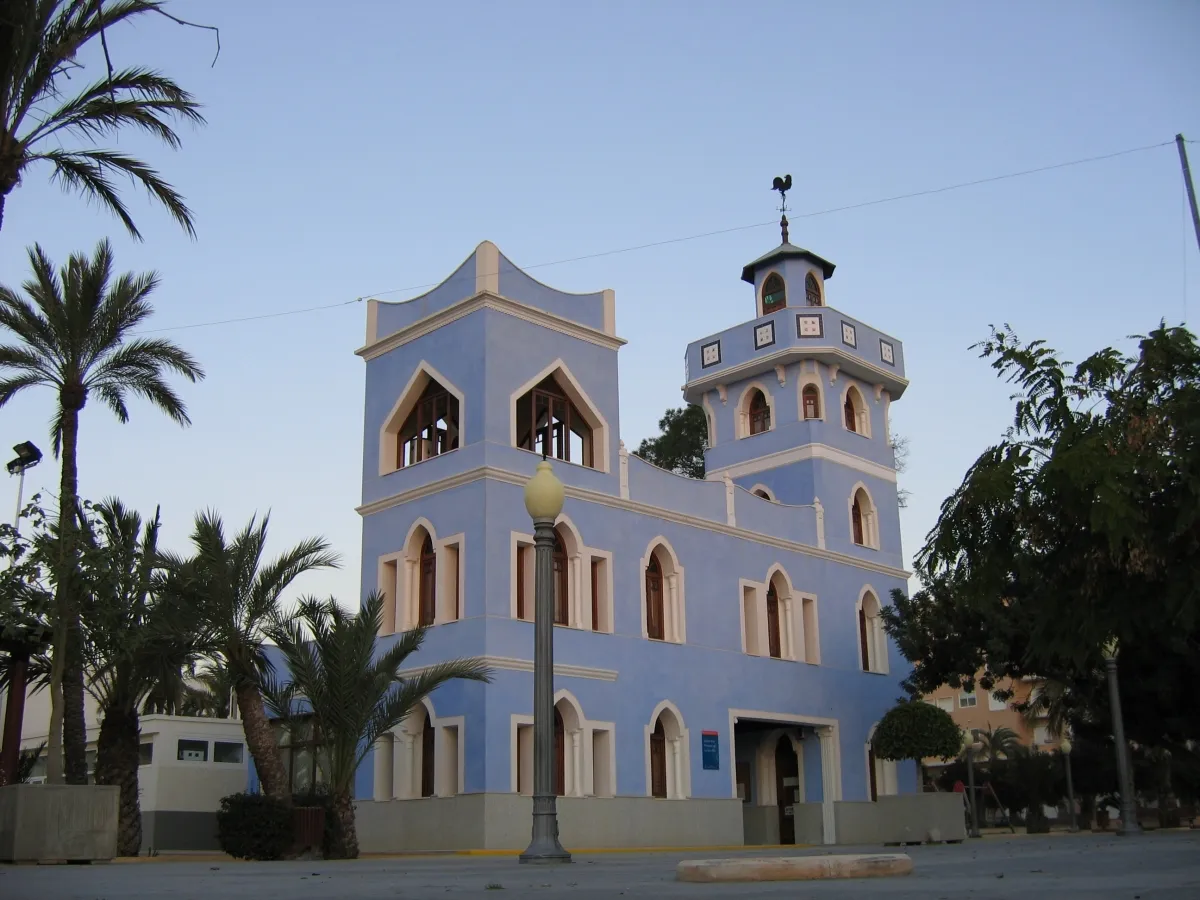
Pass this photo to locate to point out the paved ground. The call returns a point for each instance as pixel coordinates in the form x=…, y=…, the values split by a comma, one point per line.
x=1061, y=867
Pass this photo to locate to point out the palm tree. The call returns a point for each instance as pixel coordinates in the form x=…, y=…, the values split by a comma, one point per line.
x=135, y=637
x=40, y=42
x=72, y=333
x=1001, y=743
x=355, y=697
x=237, y=595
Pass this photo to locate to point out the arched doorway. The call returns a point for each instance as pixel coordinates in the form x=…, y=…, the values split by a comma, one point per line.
x=787, y=788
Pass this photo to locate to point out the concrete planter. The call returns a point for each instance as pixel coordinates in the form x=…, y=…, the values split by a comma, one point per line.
x=55, y=823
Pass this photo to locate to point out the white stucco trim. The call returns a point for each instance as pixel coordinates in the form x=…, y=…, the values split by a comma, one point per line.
x=805, y=598
x=579, y=397
x=448, y=608
x=493, y=301
x=828, y=732
x=674, y=601
x=513, y=664
x=870, y=517
x=518, y=542
x=517, y=479
x=862, y=412
x=741, y=410
x=607, y=624
x=516, y=720
x=679, y=766
x=609, y=763
x=835, y=358
x=876, y=636
x=487, y=268
x=755, y=629
x=814, y=379
x=394, y=420
x=710, y=417
x=447, y=756
x=766, y=490
x=799, y=454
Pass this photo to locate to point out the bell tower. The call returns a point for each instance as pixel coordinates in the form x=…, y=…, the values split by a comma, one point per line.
x=797, y=401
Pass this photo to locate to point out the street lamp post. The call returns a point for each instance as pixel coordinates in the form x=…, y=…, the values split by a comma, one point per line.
x=972, y=746
x=544, y=501
x=1129, y=819
x=1065, y=747
x=28, y=456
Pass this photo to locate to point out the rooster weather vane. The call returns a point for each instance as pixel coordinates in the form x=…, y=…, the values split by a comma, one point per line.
x=783, y=185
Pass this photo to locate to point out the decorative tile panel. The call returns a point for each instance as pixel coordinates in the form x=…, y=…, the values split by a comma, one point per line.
x=809, y=326
x=764, y=335
x=710, y=354
x=849, y=338
x=886, y=352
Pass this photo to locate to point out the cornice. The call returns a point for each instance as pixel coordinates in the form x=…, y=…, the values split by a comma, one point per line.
x=708, y=381
x=516, y=478
x=798, y=454
x=488, y=300
x=513, y=664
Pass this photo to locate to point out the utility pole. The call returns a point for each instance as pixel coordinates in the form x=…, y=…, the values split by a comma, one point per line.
x=1187, y=181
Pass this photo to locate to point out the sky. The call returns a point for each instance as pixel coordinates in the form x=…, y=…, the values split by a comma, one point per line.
x=364, y=148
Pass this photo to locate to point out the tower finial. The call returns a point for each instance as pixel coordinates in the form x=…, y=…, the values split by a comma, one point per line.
x=783, y=185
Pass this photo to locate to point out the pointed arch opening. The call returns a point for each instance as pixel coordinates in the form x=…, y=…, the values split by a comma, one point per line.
x=810, y=401
x=854, y=412
x=755, y=411
x=812, y=291
x=551, y=413
x=864, y=520
x=427, y=421
x=662, y=594
x=872, y=640
x=780, y=615
x=774, y=294
x=760, y=413
x=667, y=764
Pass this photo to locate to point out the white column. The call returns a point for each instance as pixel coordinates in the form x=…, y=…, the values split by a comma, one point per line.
x=820, y=510
x=829, y=782
x=402, y=766
x=575, y=612
x=576, y=764
x=412, y=589
x=789, y=625
x=672, y=629
x=675, y=788
x=383, y=769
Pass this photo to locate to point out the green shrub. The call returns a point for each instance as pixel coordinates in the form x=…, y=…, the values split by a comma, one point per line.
x=913, y=729
x=254, y=826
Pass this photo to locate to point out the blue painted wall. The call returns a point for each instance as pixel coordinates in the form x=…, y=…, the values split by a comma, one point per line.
x=488, y=355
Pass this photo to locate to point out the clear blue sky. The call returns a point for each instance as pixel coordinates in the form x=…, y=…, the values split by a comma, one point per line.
x=366, y=146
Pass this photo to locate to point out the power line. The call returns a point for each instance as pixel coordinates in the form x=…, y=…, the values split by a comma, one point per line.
x=691, y=237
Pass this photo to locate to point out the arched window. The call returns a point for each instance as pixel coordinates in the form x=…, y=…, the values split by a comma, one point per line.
x=871, y=635
x=774, y=294
x=761, y=493
x=427, y=598
x=427, y=757
x=760, y=413
x=773, y=642
x=430, y=429
x=561, y=582
x=854, y=411
x=862, y=520
x=658, y=760
x=811, y=398
x=560, y=754
x=655, y=619
x=550, y=424
x=812, y=290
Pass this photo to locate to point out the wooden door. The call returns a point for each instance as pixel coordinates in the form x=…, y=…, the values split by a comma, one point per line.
x=560, y=755
x=787, y=788
x=658, y=761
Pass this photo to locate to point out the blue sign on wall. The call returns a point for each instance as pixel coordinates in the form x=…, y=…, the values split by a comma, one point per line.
x=710, y=749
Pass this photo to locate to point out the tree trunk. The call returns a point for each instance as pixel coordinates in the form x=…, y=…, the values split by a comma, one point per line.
x=74, y=712
x=344, y=844
x=264, y=748
x=117, y=763
x=3, y=197
x=65, y=614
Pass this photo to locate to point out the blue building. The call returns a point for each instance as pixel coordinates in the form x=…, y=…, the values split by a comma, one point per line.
x=720, y=660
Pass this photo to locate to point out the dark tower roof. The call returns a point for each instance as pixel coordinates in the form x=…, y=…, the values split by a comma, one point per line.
x=785, y=251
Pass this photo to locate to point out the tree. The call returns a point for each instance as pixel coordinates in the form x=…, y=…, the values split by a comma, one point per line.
x=40, y=44
x=135, y=637
x=913, y=729
x=680, y=446
x=1082, y=524
x=1001, y=743
x=236, y=595
x=73, y=333
x=900, y=451
x=355, y=697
